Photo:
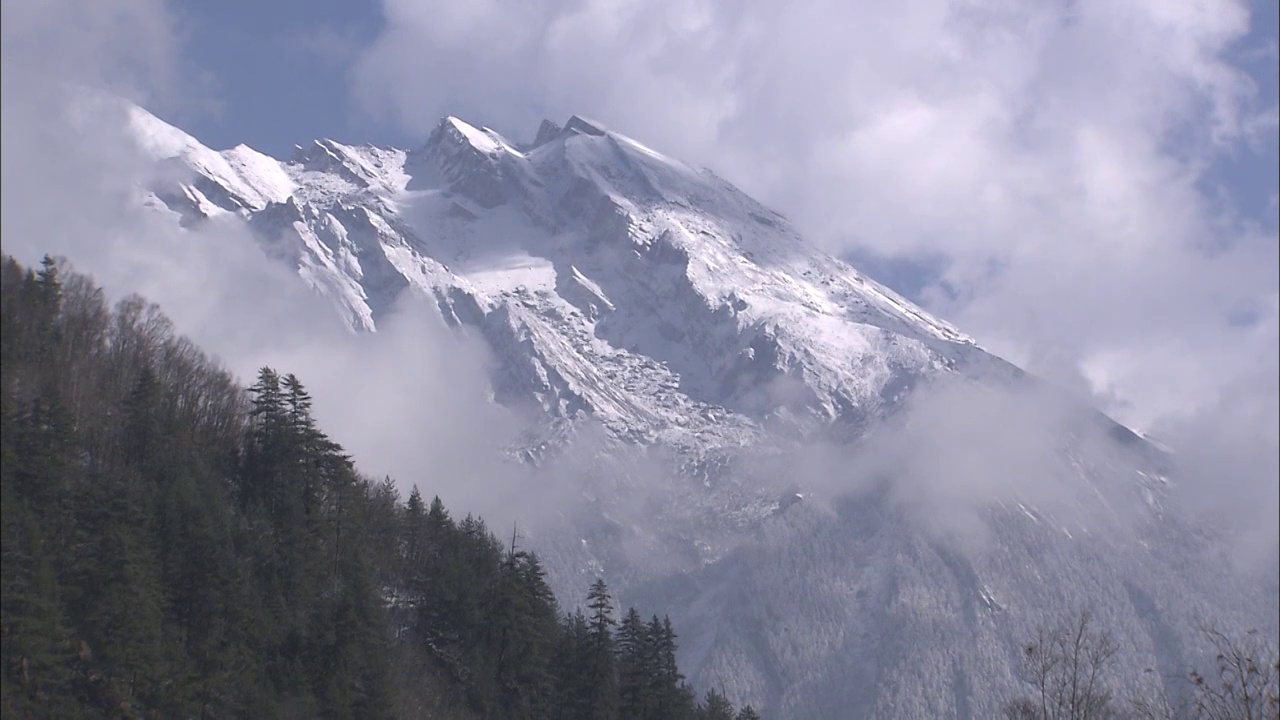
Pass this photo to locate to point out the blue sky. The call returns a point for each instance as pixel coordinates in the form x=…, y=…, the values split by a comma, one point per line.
x=1251, y=176
x=281, y=74
x=279, y=71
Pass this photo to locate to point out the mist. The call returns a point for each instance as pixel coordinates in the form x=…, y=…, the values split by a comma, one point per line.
x=1103, y=218
x=956, y=451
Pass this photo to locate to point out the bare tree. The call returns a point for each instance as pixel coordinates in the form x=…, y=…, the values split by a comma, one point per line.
x=1066, y=666
x=1244, y=683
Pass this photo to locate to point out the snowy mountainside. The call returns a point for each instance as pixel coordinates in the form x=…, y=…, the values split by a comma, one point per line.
x=621, y=288
x=687, y=297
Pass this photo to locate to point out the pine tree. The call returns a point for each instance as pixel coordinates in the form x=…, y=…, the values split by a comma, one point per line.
x=603, y=671
x=48, y=295
x=671, y=698
x=37, y=678
x=415, y=542
x=266, y=445
x=268, y=406
x=637, y=668
x=715, y=706
x=523, y=628
x=571, y=667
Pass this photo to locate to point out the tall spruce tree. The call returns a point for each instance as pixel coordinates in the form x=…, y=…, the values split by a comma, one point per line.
x=603, y=665
x=637, y=668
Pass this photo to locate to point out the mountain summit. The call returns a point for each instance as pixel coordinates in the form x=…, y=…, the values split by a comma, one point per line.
x=626, y=271
x=622, y=288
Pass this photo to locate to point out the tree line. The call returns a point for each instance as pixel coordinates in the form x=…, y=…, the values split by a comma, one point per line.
x=177, y=546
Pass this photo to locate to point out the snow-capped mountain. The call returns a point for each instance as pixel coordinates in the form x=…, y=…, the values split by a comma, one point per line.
x=722, y=353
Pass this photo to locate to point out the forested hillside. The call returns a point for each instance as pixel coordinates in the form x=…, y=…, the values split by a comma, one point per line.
x=176, y=546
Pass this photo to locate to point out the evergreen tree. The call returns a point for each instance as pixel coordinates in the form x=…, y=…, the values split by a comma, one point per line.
x=36, y=646
x=603, y=671
x=176, y=546
x=637, y=668
x=671, y=698
x=715, y=706
x=522, y=631
x=571, y=667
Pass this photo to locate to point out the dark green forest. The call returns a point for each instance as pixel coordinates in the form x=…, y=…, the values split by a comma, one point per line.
x=178, y=546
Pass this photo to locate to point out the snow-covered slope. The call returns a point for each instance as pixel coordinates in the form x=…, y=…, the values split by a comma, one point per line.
x=641, y=292
x=620, y=287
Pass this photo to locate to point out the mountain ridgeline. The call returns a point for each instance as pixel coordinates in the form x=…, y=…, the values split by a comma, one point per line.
x=175, y=546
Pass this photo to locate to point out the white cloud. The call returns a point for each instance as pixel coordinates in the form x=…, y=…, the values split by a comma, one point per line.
x=128, y=46
x=1059, y=157
x=1059, y=142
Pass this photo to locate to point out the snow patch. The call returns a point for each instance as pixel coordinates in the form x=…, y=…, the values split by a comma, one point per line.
x=511, y=274
x=484, y=140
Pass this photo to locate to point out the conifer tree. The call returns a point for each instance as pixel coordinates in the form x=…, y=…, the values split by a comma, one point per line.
x=35, y=651
x=177, y=546
x=670, y=697
x=571, y=668
x=715, y=706
x=603, y=670
x=637, y=668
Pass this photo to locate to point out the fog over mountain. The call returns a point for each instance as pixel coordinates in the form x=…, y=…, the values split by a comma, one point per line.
x=849, y=506
x=846, y=503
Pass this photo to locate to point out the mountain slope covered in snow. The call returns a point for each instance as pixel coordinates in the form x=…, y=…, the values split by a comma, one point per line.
x=850, y=508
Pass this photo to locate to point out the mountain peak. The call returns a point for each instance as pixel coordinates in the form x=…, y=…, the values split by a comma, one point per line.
x=547, y=132
x=579, y=125
x=457, y=132
x=640, y=230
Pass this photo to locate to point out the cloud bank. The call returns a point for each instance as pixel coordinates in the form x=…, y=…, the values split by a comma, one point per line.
x=1074, y=183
